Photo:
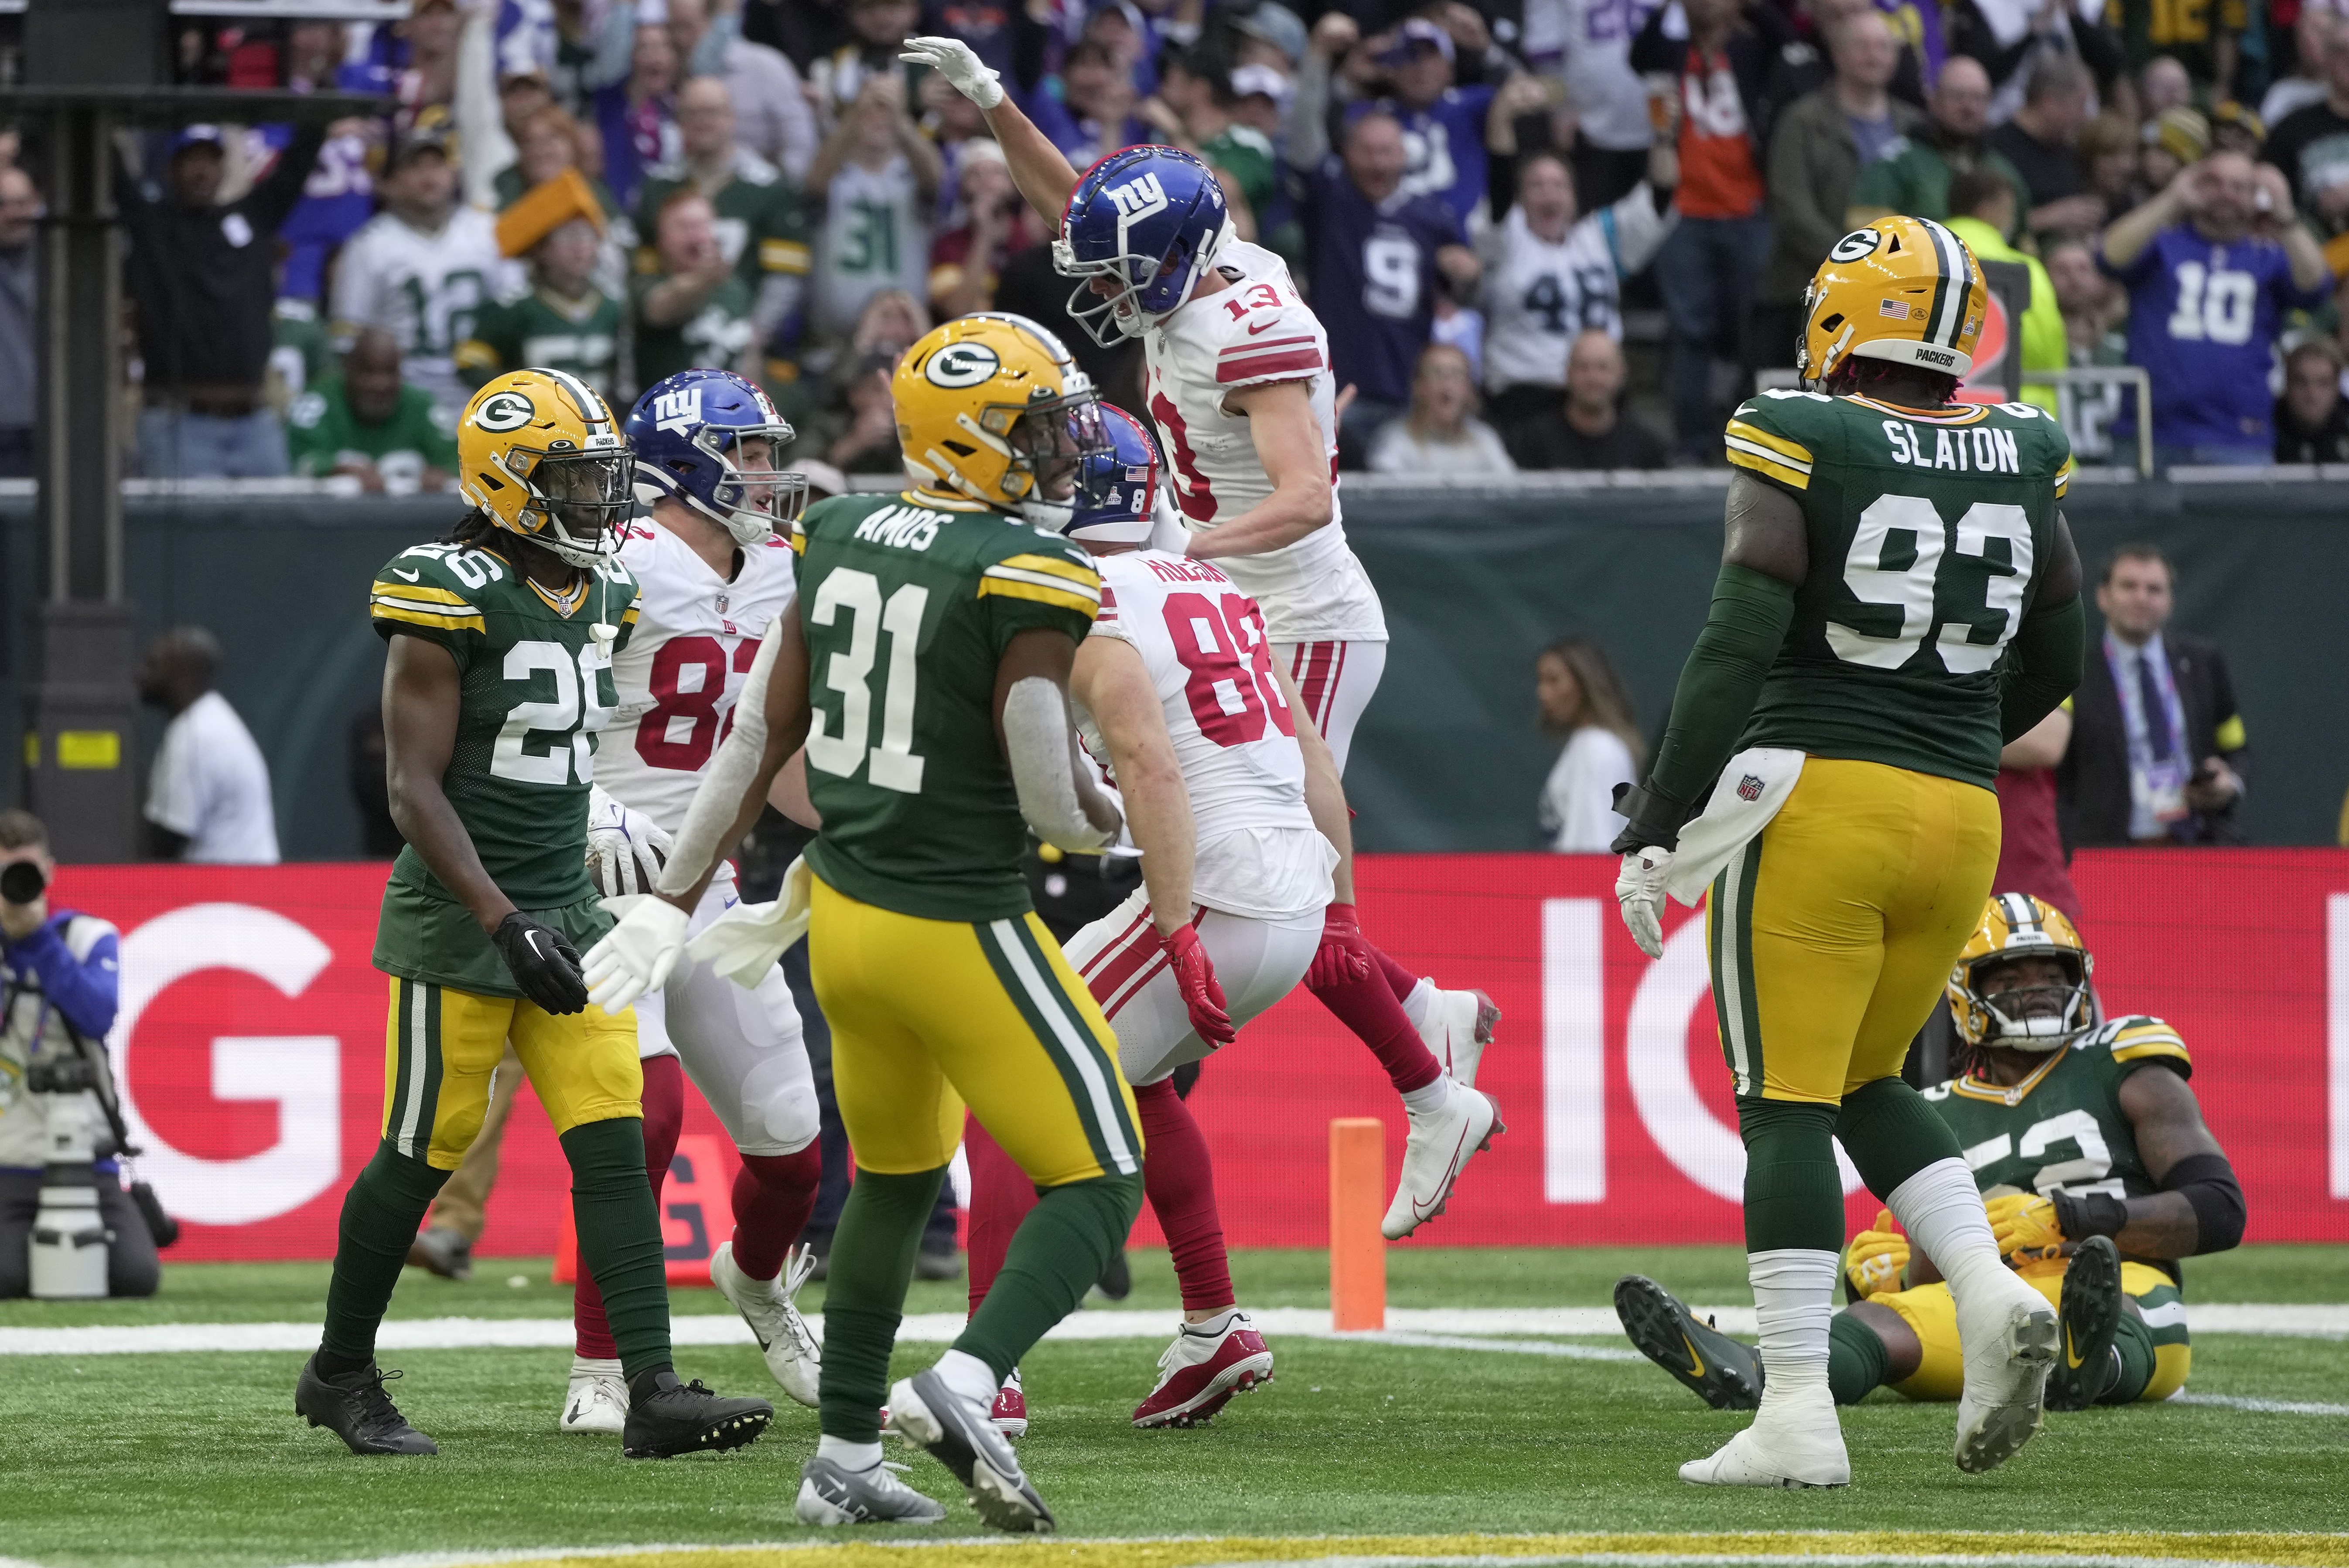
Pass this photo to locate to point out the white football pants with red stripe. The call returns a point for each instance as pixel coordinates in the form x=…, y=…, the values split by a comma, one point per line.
x=1336, y=681
x=1258, y=962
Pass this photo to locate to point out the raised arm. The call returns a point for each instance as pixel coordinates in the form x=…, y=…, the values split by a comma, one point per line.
x=1044, y=177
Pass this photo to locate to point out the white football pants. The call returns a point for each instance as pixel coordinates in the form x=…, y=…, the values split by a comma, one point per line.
x=744, y=1050
x=1258, y=962
x=1336, y=681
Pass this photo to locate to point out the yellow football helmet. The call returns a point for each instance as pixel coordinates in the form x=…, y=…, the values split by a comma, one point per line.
x=2017, y=925
x=1904, y=289
x=539, y=452
x=990, y=407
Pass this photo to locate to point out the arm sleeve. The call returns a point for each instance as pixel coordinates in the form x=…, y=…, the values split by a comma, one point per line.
x=2207, y=1183
x=1742, y=632
x=83, y=988
x=2042, y=666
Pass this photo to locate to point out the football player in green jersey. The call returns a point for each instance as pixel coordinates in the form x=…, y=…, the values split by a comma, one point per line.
x=1897, y=595
x=2099, y=1175
x=926, y=666
x=497, y=675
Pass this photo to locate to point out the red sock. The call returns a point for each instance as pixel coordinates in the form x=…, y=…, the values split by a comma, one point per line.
x=773, y=1196
x=1181, y=1186
x=664, y=1119
x=1372, y=1010
x=1000, y=1197
x=1400, y=980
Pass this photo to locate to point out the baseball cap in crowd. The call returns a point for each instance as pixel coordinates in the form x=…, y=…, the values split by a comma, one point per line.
x=1261, y=81
x=1275, y=24
x=1415, y=34
x=2179, y=131
x=198, y=136
x=2236, y=127
x=433, y=137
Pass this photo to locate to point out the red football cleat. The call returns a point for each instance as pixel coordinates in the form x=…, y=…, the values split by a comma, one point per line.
x=1207, y=1364
x=1009, y=1412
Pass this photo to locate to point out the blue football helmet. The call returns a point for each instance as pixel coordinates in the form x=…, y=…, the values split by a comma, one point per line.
x=688, y=432
x=1150, y=217
x=1118, y=488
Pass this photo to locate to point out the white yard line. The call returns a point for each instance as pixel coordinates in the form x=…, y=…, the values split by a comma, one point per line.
x=1436, y=1327
x=2265, y=1406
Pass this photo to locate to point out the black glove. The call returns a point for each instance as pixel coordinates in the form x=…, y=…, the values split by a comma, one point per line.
x=544, y=965
x=1651, y=818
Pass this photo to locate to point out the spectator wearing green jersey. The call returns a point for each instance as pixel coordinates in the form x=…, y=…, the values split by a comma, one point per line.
x=1912, y=178
x=761, y=223
x=369, y=424
x=693, y=310
x=563, y=320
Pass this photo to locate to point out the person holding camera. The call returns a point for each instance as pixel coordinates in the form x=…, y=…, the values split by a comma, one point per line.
x=59, y=971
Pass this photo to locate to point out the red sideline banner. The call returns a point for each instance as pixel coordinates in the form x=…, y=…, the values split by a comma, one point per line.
x=250, y=1047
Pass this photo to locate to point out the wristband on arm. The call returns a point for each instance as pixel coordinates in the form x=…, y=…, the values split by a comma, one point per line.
x=2042, y=667
x=1742, y=633
x=2082, y=1215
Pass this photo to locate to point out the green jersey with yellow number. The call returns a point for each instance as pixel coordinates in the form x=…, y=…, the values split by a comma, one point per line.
x=1929, y=534
x=907, y=607
x=534, y=688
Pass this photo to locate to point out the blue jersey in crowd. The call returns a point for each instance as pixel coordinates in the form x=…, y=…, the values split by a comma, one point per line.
x=1374, y=277
x=1445, y=146
x=2202, y=321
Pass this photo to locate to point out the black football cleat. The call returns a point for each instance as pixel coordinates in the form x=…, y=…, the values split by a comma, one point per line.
x=671, y=1418
x=958, y=1435
x=1723, y=1373
x=2086, y=1318
x=355, y=1407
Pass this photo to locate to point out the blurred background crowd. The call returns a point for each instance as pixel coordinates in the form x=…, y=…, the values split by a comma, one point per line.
x=1542, y=233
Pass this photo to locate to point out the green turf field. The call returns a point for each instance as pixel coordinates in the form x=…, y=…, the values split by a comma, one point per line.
x=196, y=1458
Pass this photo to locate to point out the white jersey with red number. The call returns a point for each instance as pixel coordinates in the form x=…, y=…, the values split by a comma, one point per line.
x=1252, y=333
x=695, y=637
x=1210, y=659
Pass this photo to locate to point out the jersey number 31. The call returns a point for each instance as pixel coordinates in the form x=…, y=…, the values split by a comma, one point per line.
x=890, y=762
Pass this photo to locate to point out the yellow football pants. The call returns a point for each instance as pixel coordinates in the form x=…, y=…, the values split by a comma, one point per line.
x=441, y=1050
x=1932, y=1313
x=1833, y=932
x=929, y=1015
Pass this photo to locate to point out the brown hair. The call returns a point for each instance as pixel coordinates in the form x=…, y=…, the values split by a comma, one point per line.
x=2105, y=133
x=586, y=144
x=2138, y=553
x=1605, y=703
x=20, y=828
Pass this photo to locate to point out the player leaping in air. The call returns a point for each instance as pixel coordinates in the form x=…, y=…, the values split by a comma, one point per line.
x=1897, y=595
x=1240, y=389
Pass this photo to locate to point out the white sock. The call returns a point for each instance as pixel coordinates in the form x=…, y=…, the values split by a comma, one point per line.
x=1942, y=1209
x=584, y=1366
x=848, y=1456
x=1214, y=1327
x=1793, y=1301
x=1421, y=997
x=967, y=1376
x=1428, y=1096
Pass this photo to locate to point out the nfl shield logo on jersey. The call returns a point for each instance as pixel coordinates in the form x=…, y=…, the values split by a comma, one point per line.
x=1749, y=789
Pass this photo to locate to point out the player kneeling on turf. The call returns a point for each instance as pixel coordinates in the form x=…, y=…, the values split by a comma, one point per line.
x=2099, y=1176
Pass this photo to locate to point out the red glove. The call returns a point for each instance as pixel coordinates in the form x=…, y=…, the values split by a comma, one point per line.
x=1203, y=998
x=1343, y=957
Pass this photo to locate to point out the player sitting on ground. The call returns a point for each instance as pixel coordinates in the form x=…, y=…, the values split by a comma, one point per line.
x=1240, y=389
x=2100, y=1175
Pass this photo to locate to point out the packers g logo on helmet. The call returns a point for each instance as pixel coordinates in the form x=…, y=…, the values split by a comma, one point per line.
x=991, y=408
x=2018, y=925
x=539, y=453
x=503, y=411
x=1902, y=290
x=961, y=365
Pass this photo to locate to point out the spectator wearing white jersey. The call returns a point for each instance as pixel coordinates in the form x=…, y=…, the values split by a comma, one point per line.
x=208, y=794
x=1551, y=275
x=1440, y=435
x=421, y=268
x=1583, y=701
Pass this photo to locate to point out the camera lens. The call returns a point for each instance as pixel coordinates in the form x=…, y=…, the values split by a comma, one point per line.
x=22, y=882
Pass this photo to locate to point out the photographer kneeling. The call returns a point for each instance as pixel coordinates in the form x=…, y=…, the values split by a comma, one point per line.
x=60, y=978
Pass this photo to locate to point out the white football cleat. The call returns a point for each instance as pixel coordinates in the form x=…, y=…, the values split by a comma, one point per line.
x=1459, y=1026
x=2010, y=1341
x=766, y=1305
x=1207, y=1364
x=1441, y=1143
x=597, y=1399
x=1795, y=1441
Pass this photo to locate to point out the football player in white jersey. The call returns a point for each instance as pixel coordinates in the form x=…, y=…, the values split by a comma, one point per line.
x=1233, y=801
x=713, y=572
x=1240, y=389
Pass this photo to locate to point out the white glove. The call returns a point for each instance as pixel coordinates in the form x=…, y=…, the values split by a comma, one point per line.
x=625, y=850
x=744, y=943
x=952, y=58
x=637, y=955
x=1639, y=889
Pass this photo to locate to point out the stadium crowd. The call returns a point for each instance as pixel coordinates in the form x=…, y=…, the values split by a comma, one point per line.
x=1542, y=233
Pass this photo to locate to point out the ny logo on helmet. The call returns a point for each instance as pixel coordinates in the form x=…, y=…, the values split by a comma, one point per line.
x=678, y=411
x=504, y=411
x=1137, y=199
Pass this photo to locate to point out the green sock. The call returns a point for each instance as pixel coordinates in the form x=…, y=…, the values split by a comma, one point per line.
x=872, y=1263
x=1793, y=1193
x=1891, y=1133
x=380, y=1216
x=620, y=1238
x=1857, y=1359
x=1055, y=1256
x=2133, y=1349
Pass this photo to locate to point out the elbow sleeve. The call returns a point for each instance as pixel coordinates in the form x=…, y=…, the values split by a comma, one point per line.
x=2043, y=666
x=2207, y=1183
x=1036, y=736
x=1742, y=632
